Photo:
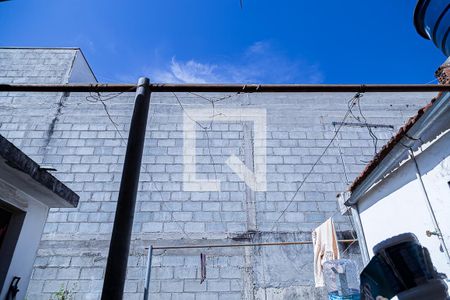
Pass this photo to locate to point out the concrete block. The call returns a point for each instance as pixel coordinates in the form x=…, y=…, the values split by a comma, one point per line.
x=232, y=206
x=152, y=227
x=203, y=216
x=207, y=296
x=194, y=286
x=230, y=273
x=68, y=273
x=53, y=286
x=185, y=273
x=91, y=273
x=229, y=296
x=173, y=261
x=218, y=285
x=45, y=273
x=163, y=272
x=172, y=286
x=35, y=286
x=192, y=206
x=183, y=296
x=194, y=227
x=150, y=206
x=67, y=227
x=211, y=206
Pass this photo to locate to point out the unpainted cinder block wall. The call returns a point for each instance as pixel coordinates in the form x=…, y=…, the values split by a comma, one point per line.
x=73, y=133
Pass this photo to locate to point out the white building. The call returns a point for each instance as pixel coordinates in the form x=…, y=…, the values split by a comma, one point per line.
x=406, y=187
x=27, y=191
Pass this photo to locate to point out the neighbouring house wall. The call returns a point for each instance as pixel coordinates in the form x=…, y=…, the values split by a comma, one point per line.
x=80, y=71
x=397, y=204
x=75, y=135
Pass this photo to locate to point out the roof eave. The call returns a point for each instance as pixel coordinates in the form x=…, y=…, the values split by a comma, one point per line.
x=19, y=170
x=410, y=139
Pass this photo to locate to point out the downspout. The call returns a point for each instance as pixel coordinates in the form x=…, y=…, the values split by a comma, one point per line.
x=360, y=233
x=437, y=229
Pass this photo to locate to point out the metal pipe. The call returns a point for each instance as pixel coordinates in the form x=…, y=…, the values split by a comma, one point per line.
x=149, y=272
x=362, y=125
x=119, y=248
x=429, y=206
x=239, y=245
x=229, y=88
x=360, y=233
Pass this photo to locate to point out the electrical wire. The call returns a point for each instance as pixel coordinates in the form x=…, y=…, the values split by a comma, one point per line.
x=365, y=123
x=347, y=181
x=205, y=130
x=95, y=98
x=164, y=204
x=371, y=133
x=352, y=103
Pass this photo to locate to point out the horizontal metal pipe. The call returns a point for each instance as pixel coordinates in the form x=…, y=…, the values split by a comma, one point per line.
x=239, y=245
x=362, y=125
x=228, y=88
x=296, y=88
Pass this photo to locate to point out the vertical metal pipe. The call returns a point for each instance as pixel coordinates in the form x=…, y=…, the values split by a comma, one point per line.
x=360, y=233
x=149, y=272
x=116, y=266
x=429, y=206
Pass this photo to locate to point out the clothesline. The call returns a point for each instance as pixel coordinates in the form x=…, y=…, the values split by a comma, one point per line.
x=151, y=248
x=202, y=246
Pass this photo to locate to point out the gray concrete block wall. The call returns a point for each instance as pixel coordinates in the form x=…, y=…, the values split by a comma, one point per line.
x=74, y=134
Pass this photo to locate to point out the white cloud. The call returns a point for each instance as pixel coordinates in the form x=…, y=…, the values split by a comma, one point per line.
x=190, y=71
x=258, y=47
x=259, y=63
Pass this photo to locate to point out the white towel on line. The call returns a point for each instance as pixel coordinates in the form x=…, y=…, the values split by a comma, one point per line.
x=325, y=248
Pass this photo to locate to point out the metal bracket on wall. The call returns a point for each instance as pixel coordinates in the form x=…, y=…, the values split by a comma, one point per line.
x=350, y=124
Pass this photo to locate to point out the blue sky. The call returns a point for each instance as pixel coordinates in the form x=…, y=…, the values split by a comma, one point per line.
x=282, y=41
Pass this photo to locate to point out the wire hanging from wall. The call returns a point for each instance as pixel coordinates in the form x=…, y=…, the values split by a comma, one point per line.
x=352, y=103
x=98, y=97
x=205, y=128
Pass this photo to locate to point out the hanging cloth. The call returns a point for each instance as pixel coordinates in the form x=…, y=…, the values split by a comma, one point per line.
x=325, y=248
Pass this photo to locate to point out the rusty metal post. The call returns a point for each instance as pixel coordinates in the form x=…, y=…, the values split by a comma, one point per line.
x=116, y=267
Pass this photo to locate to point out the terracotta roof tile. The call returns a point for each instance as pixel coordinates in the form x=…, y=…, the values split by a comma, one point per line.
x=390, y=145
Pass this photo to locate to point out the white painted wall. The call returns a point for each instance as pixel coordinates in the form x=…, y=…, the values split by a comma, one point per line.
x=437, y=181
x=26, y=247
x=397, y=204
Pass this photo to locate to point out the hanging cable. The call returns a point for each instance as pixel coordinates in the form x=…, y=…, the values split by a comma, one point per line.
x=164, y=204
x=206, y=129
x=371, y=133
x=97, y=97
x=352, y=102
